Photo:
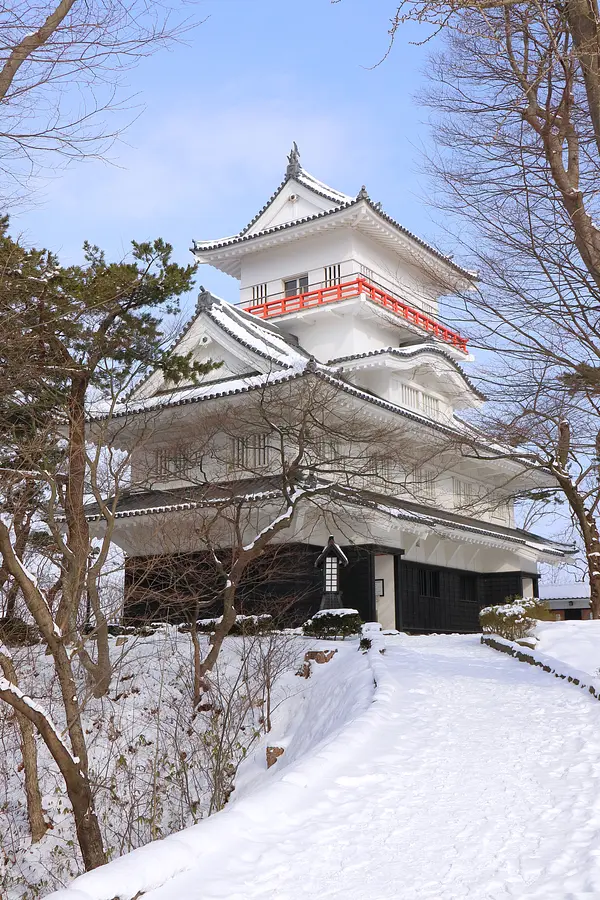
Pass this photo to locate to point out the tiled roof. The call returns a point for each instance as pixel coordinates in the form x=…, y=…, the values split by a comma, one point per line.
x=156, y=502
x=309, y=181
x=429, y=516
x=262, y=338
x=411, y=350
x=196, y=393
x=342, y=201
x=140, y=502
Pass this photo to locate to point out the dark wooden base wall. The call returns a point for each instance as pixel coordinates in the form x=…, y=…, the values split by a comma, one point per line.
x=285, y=583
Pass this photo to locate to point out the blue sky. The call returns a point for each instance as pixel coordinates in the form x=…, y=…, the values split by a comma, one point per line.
x=218, y=115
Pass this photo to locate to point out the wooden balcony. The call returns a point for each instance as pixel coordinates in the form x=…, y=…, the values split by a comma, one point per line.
x=358, y=286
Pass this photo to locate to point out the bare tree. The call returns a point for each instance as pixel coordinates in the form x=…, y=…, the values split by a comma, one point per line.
x=71, y=337
x=49, y=50
x=515, y=94
x=262, y=470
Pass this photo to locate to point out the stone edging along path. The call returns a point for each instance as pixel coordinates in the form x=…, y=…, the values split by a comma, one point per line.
x=574, y=676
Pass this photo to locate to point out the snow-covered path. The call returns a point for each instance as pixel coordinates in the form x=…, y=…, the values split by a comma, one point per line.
x=478, y=779
x=463, y=775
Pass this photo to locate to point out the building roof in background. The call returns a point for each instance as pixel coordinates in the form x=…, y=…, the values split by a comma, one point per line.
x=573, y=590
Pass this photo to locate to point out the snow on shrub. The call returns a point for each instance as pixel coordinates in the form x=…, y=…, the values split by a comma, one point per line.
x=333, y=623
x=244, y=625
x=515, y=619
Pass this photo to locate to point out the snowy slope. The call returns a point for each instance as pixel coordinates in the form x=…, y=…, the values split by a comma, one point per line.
x=469, y=776
x=575, y=643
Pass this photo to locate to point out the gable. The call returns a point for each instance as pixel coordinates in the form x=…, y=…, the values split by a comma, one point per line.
x=293, y=201
x=222, y=333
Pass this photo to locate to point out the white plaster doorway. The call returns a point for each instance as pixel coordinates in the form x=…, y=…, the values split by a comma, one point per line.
x=385, y=590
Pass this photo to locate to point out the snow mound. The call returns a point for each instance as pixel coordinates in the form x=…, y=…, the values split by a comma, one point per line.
x=575, y=643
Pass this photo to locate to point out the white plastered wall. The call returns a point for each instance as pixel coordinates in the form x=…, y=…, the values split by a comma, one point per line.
x=386, y=604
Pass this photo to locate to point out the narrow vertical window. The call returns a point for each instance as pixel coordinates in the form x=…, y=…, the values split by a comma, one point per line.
x=332, y=275
x=424, y=484
x=259, y=294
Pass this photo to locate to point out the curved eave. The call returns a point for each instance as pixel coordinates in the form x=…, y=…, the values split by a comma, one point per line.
x=227, y=253
x=380, y=359
x=412, y=516
x=243, y=385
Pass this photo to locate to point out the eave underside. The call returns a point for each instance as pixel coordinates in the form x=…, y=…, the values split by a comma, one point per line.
x=268, y=490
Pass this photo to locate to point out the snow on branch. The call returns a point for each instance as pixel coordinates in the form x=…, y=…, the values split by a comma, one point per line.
x=35, y=713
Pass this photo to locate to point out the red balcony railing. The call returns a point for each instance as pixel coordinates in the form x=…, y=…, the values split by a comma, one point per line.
x=279, y=306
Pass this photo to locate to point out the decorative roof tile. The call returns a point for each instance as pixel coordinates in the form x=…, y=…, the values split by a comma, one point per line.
x=243, y=237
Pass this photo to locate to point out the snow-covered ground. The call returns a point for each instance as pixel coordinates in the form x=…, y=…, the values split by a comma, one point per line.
x=440, y=769
x=152, y=763
x=575, y=643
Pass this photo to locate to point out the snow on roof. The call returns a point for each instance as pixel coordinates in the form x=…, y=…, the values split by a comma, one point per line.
x=341, y=202
x=574, y=590
x=437, y=518
x=154, y=502
x=164, y=500
x=193, y=394
x=258, y=336
x=412, y=350
x=320, y=187
x=265, y=340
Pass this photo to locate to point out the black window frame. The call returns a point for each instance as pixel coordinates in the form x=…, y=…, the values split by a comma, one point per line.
x=300, y=283
x=429, y=583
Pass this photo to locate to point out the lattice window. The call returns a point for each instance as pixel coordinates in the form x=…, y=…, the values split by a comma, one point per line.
x=465, y=494
x=429, y=583
x=431, y=406
x=424, y=484
x=327, y=450
x=383, y=468
x=331, y=574
x=259, y=294
x=367, y=272
x=176, y=463
x=250, y=452
x=411, y=397
x=332, y=275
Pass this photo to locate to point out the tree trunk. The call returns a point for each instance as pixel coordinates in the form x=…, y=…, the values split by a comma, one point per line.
x=589, y=533
x=221, y=631
x=78, y=537
x=35, y=813
x=73, y=768
x=88, y=831
x=76, y=781
x=198, y=682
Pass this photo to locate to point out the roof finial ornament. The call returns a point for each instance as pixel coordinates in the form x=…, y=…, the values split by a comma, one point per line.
x=294, y=168
x=362, y=194
x=311, y=365
x=205, y=299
